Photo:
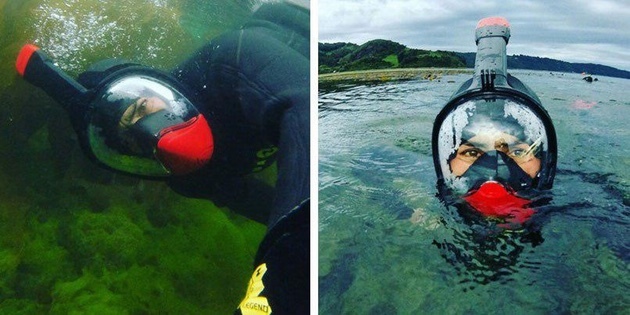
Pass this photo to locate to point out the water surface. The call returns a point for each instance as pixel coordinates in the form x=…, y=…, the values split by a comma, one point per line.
x=388, y=246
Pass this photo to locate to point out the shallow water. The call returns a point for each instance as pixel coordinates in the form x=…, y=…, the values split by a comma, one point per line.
x=76, y=238
x=387, y=245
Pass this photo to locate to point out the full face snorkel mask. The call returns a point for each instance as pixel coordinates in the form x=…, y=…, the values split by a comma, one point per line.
x=494, y=145
x=134, y=120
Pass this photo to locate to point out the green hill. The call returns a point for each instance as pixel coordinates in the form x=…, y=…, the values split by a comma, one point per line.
x=386, y=54
x=381, y=54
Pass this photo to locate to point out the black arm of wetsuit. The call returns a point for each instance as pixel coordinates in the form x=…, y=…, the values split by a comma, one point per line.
x=283, y=264
x=258, y=78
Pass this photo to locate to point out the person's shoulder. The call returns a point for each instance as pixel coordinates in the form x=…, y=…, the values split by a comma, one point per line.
x=287, y=15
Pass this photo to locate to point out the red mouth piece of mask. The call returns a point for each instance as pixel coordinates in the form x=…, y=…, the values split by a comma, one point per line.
x=493, y=200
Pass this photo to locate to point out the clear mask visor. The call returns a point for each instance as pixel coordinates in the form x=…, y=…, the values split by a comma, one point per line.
x=479, y=126
x=127, y=119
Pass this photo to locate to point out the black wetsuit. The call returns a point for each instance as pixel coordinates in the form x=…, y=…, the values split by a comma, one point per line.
x=253, y=84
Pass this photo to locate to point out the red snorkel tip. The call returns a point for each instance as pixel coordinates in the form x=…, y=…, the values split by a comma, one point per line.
x=489, y=28
x=493, y=21
x=23, y=58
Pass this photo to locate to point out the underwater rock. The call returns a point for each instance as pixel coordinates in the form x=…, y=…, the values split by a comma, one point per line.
x=416, y=145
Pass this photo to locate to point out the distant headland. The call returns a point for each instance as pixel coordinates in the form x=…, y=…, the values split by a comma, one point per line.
x=396, y=61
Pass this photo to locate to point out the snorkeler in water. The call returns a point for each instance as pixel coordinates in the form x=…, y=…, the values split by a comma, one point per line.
x=494, y=145
x=232, y=109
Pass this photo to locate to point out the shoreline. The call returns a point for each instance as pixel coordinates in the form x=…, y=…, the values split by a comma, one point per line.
x=392, y=74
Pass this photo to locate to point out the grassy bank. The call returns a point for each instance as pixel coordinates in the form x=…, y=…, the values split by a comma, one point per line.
x=392, y=74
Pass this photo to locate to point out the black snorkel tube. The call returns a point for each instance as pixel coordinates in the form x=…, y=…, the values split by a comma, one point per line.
x=491, y=36
x=490, y=73
x=38, y=69
x=491, y=80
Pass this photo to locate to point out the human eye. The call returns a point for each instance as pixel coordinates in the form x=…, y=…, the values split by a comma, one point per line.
x=469, y=154
x=140, y=108
x=523, y=152
x=517, y=152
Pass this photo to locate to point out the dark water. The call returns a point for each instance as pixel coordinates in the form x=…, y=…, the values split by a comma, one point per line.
x=78, y=239
x=387, y=245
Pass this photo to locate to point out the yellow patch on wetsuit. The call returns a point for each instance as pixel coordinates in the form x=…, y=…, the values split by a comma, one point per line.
x=253, y=304
x=264, y=158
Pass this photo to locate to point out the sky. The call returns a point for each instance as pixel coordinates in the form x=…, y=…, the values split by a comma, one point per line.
x=595, y=31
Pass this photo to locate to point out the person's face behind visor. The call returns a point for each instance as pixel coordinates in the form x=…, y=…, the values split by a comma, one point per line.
x=143, y=126
x=520, y=151
x=140, y=108
x=129, y=133
x=496, y=139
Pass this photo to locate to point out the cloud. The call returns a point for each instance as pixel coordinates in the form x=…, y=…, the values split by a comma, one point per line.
x=570, y=30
